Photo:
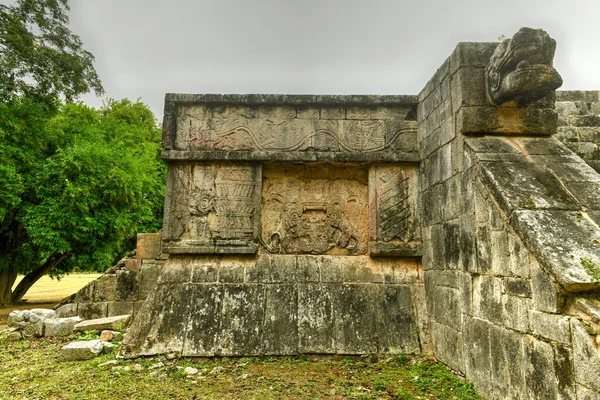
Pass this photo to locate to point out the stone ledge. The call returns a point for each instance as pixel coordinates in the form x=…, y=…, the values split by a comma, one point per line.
x=292, y=156
x=297, y=99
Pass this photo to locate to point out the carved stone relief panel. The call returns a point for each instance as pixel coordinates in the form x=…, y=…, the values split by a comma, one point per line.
x=315, y=209
x=393, y=196
x=288, y=129
x=212, y=208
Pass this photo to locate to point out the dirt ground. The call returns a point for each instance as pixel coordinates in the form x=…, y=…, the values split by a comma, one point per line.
x=48, y=292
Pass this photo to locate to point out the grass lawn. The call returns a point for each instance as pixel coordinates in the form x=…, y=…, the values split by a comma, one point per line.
x=34, y=370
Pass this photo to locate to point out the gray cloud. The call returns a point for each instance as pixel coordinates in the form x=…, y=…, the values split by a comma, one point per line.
x=145, y=48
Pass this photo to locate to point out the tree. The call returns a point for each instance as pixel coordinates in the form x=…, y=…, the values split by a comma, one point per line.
x=40, y=56
x=76, y=187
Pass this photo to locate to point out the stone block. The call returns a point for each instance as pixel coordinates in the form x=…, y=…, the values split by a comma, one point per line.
x=448, y=307
x=333, y=113
x=242, y=319
x=355, y=318
x=106, y=288
x=92, y=310
x=423, y=323
x=126, y=286
x=179, y=271
x=148, y=245
x=360, y=270
x=541, y=381
x=487, y=299
x=76, y=351
x=133, y=264
x=468, y=87
x=586, y=357
x=508, y=362
x=233, y=270
x=160, y=325
x=573, y=240
x=148, y=277
x=500, y=254
x=204, y=273
x=202, y=329
x=519, y=257
x=103, y=323
x=515, y=313
x=565, y=372
x=517, y=287
x=119, y=308
x=477, y=354
x=448, y=345
x=316, y=319
x=468, y=249
x=550, y=326
x=280, y=326
x=544, y=292
x=395, y=321
x=518, y=185
x=308, y=268
x=66, y=310
x=60, y=326
x=465, y=290
x=86, y=293
x=483, y=245
x=507, y=120
x=213, y=211
x=331, y=269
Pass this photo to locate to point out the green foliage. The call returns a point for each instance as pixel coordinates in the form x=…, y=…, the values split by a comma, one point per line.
x=40, y=56
x=79, y=182
x=501, y=37
x=591, y=268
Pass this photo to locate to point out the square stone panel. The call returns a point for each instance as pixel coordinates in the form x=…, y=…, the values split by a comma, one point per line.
x=394, y=217
x=212, y=208
x=315, y=209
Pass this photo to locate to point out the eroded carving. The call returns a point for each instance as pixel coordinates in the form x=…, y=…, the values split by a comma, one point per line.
x=521, y=68
x=315, y=210
x=246, y=128
x=394, y=228
x=212, y=207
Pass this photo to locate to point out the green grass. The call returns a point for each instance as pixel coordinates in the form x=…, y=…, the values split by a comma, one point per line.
x=34, y=369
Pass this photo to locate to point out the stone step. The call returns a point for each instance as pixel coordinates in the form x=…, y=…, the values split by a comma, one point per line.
x=103, y=323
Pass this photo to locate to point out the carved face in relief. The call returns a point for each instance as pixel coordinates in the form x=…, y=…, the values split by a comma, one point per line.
x=315, y=212
x=521, y=68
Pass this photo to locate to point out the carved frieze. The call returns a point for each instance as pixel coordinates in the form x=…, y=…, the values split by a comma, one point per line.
x=318, y=209
x=394, y=228
x=212, y=208
x=201, y=127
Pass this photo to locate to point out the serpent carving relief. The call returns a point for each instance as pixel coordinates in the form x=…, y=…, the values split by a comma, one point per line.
x=521, y=68
x=244, y=128
x=319, y=210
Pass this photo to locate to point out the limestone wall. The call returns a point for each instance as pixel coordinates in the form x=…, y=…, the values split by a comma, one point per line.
x=579, y=124
x=511, y=241
x=122, y=289
x=293, y=226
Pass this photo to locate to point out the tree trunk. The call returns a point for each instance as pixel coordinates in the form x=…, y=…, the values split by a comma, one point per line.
x=33, y=276
x=8, y=276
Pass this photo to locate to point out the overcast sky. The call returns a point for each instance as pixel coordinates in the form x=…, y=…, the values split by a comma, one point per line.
x=146, y=48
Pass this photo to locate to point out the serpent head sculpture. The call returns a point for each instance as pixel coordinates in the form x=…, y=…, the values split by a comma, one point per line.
x=521, y=68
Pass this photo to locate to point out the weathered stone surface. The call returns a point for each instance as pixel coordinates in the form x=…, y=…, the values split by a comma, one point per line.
x=242, y=319
x=394, y=220
x=517, y=185
x=201, y=331
x=82, y=350
x=212, y=208
x=540, y=378
x=586, y=357
x=119, y=308
x=316, y=319
x=60, y=326
x=148, y=277
x=103, y=323
x=43, y=313
x=105, y=288
x=148, y=246
x=110, y=336
x=521, y=68
x=550, y=326
x=92, y=310
x=66, y=310
x=315, y=210
x=562, y=241
x=280, y=326
x=448, y=345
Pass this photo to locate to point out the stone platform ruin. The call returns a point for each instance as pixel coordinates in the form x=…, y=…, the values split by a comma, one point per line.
x=454, y=222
